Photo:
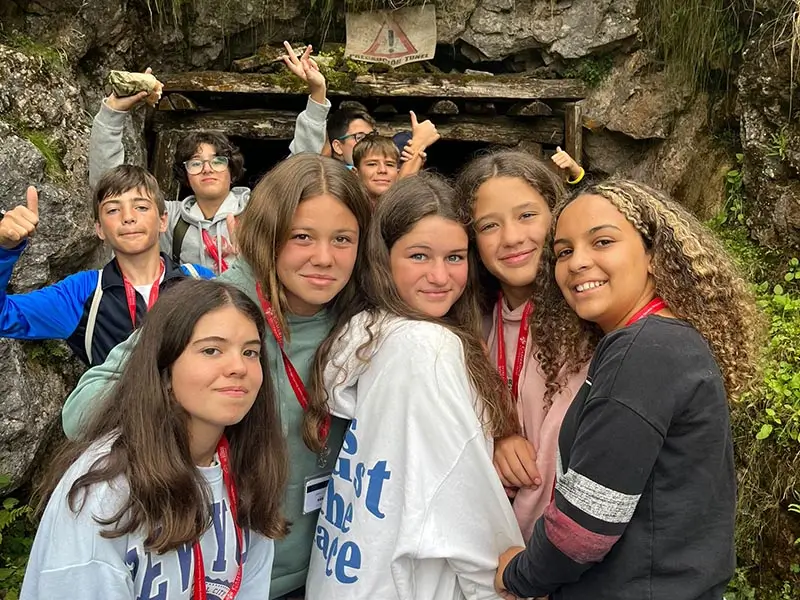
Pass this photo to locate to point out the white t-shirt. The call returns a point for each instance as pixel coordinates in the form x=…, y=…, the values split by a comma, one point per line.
x=414, y=509
x=70, y=558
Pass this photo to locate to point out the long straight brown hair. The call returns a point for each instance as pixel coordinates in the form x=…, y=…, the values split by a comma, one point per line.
x=267, y=221
x=169, y=501
x=405, y=204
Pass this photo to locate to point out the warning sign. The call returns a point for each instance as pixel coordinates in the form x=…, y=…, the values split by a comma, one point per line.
x=394, y=37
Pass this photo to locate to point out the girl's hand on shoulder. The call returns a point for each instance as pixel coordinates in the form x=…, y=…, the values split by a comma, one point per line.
x=515, y=463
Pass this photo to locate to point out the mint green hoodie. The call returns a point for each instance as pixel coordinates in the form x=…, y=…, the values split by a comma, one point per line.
x=292, y=554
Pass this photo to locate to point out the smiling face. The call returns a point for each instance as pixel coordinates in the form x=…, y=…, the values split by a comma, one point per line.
x=429, y=265
x=218, y=374
x=602, y=265
x=378, y=173
x=130, y=223
x=318, y=259
x=209, y=184
x=511, y=220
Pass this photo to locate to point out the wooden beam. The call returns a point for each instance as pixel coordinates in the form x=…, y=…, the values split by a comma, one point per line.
x=573, y=134
x=270, y=125
x=383, y=85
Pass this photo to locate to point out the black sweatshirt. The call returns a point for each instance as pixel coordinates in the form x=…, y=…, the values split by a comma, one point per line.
x=646, y=495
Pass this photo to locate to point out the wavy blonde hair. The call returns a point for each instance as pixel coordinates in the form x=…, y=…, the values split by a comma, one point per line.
x=692, y=272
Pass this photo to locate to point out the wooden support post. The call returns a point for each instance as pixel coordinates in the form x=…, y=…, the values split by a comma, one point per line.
x=573, y=134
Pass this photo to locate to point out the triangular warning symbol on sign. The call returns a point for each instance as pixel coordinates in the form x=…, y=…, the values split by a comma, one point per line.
x=391, y=41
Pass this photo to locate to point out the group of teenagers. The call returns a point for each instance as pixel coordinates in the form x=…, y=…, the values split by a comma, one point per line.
x=492, y=387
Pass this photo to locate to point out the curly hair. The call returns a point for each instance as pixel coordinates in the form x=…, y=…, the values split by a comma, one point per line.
x=407, y=202
x=692, y=272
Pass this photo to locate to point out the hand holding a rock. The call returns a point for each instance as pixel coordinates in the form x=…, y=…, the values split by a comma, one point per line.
x=19, y=223
x=126, y=103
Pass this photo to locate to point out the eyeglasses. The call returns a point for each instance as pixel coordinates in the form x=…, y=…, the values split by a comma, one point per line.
x=356, y=136
x=195, y=165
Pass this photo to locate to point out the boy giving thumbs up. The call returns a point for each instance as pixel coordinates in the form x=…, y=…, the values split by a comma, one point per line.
x=94, y=310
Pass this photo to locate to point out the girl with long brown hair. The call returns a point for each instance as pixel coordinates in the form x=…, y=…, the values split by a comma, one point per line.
x=508, y=196
x=299, y=243
x=414, y=509
x=175, y=487
x=644, y=504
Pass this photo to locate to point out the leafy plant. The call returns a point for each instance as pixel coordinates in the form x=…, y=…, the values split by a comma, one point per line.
x=593, y=69
x=16, y=538
x=733, y=210
x=779, y=143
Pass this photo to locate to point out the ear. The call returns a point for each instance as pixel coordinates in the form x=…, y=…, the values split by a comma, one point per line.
x=336, y=146
x=99, y=231
x=354, y=170
x=162, y=226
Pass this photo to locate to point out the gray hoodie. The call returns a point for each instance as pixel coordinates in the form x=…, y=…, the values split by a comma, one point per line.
x=106, y=152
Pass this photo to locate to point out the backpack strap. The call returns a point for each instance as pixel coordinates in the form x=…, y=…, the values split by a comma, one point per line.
x=89, y=336
x=178, y=233
x=191, y=270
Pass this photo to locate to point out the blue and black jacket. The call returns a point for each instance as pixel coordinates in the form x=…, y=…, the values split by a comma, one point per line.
x=62, y=311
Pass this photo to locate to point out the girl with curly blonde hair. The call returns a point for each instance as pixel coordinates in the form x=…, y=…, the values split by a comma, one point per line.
x=645, y=498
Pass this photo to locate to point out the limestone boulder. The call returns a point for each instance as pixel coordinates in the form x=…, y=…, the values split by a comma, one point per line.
x=499, y=28
x=44, y=134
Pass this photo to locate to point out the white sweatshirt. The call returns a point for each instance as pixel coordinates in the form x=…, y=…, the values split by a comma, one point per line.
x=414, y=509
x=69, y=556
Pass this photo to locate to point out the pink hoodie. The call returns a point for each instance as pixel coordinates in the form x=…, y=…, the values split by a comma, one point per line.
x=540, y=426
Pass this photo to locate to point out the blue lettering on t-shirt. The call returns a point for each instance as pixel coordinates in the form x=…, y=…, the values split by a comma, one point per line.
x=343, y=558
x=148, y=567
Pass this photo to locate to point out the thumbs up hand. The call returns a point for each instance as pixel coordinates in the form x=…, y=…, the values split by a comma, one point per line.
x=19, y=223
x=565, y=161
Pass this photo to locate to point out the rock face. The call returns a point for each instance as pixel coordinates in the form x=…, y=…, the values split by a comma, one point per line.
x=498, y=28
x=43, y=142
x=770, y=134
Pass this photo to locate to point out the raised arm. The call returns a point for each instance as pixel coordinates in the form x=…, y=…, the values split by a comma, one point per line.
x=309, y=129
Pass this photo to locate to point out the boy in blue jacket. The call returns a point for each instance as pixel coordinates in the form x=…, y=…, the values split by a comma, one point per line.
x=94, y=310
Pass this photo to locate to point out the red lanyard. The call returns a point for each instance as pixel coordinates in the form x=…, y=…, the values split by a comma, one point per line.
x=522, y=343
x=655, y=305
x=223, y=452
x=294, y=379
x=130, y=294
x=213, y=252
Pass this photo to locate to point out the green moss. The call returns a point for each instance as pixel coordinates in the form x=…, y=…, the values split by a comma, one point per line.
x=51, y=57
x=48, y=353
x=50, y=149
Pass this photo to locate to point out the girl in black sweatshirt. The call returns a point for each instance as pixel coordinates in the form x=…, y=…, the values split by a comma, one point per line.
x=645, y=499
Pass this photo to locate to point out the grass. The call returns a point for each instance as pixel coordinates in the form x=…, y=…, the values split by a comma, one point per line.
x=694, y=38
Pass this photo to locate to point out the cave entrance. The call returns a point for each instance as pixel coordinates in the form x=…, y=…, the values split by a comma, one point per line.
x=472, y=113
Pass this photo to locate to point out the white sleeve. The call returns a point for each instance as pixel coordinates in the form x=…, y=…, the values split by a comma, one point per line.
x=95, y=580
x=257, y=569
x=468, y=520
x=473, y=509
x=70, y=555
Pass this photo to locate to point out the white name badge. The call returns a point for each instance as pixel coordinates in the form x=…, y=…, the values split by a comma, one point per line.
x=315, y=487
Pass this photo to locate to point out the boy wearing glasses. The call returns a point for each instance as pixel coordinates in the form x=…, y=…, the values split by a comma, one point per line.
x=207, y=162
x=345, y=129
